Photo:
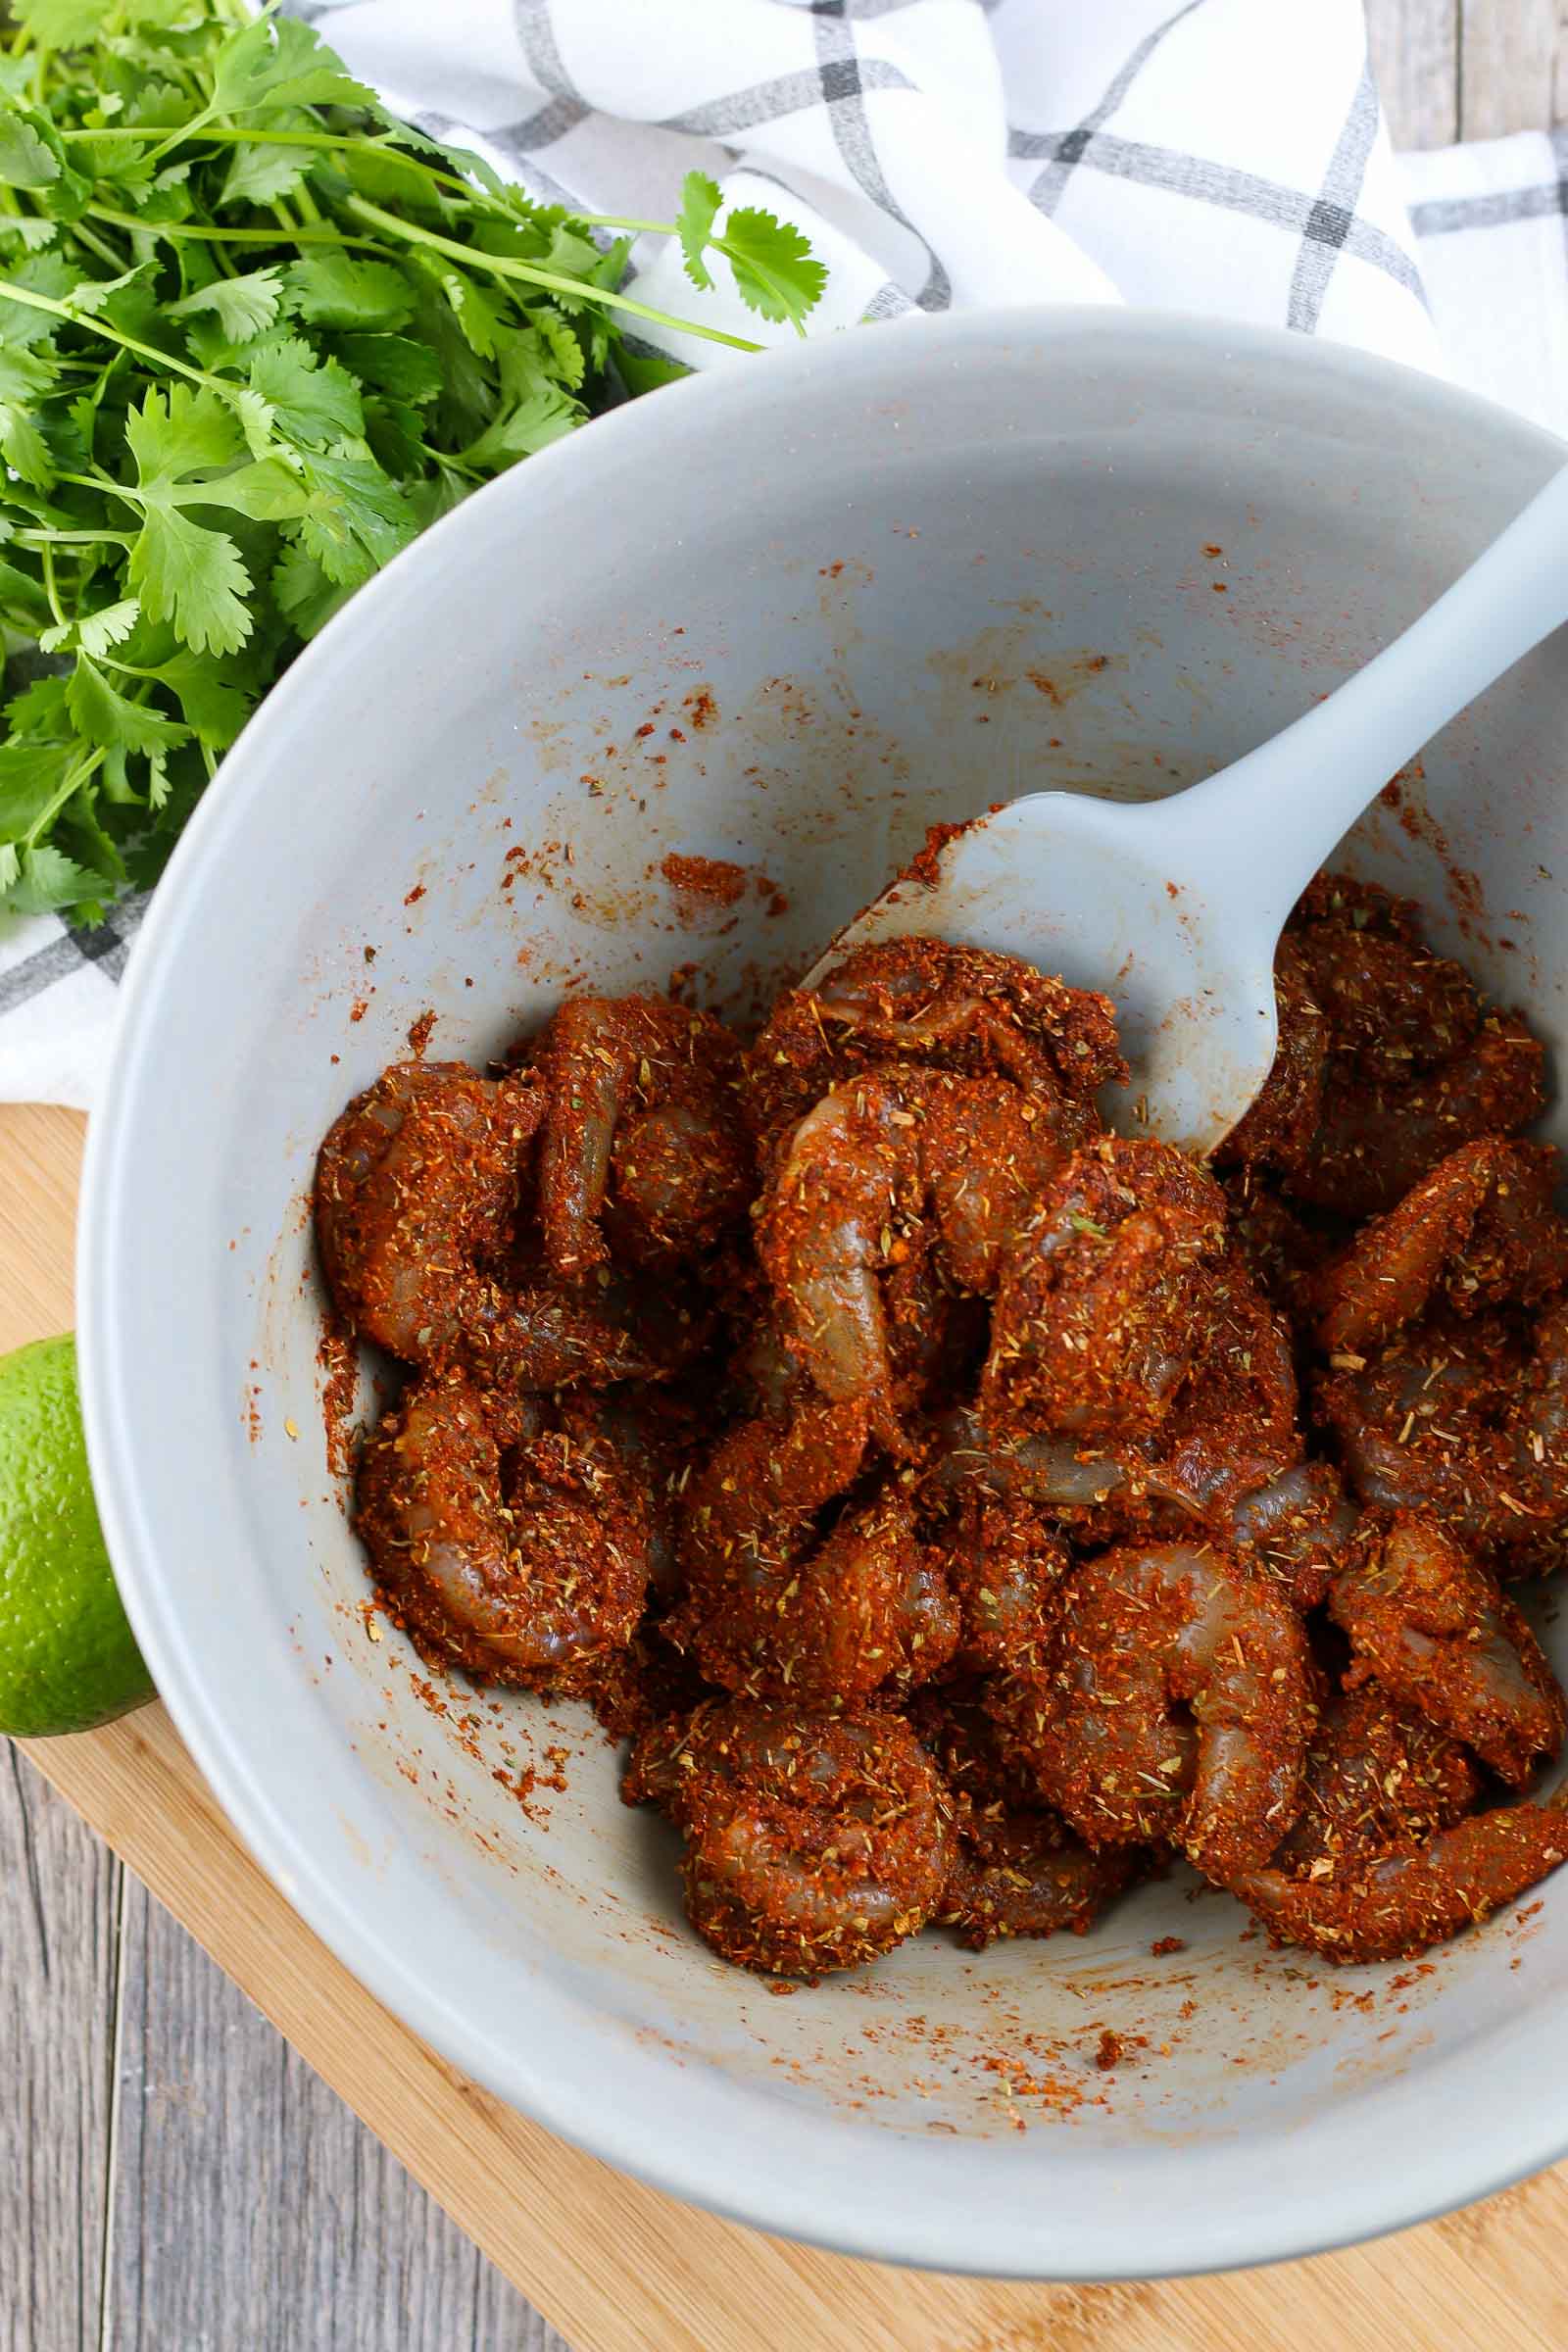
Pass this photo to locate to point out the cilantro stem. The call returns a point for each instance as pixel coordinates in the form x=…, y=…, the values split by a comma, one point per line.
x=181, y=232
x=501, y=265
x=10, y=291
x=47, y=565
x=232, y=135
x=52, y=538
x=96, y=244
x=72, y=785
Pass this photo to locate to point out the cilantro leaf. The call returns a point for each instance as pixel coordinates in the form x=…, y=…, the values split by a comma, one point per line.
x=59, y=23
x=334, y=289
x=356, y=520
x=25, y=158
x=193, y=577
x=537, y=419
x=183, y=572
x=475, y=314
x=178, y=431
x=313, y=401
x=47, y=880
x=108, y=717
x=245, y=307
x=216, y=420
x=280, y=62
x=304, y=590
x=31, y=777
x=394, y=364
x=699, y=200
x=774, y=269
x=94, y=632
x=261, y=175
x=216, y=702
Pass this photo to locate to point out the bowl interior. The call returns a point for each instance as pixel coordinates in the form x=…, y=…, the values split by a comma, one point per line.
x=786, y=625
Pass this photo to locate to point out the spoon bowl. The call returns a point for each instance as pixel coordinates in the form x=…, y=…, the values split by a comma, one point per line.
x=1176, y=906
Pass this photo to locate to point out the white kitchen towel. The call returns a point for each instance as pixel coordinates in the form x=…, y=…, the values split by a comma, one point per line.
x=1224, y=156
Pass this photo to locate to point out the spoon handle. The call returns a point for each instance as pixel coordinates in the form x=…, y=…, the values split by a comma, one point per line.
x=1270, y=820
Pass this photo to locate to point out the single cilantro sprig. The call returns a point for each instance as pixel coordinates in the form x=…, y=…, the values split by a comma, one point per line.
x=255, y=335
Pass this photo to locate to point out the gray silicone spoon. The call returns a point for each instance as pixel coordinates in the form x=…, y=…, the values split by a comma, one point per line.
x=1175, y=907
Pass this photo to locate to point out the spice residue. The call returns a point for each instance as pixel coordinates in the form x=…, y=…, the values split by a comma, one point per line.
x=338, y=1360
x=717, y=881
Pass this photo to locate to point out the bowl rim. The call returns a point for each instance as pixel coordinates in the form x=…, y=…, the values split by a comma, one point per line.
x=884, y=2209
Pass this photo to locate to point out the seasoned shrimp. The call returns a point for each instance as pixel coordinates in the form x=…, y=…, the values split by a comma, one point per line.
x=591, y=1331
x=1456, y=1421
x=1282, y=1249
x=522, y=1569
x=814, y=1843
x=1059, y=1473
x=1376, y=1777
x=1294, y=1528
x=1395, y=1905
x=1016, y=1868
x=1377, y=1136
x=643, y=1129
x=1099, y=1311
x=653, y=1437
x=873, y=1157
x=776, y=1609
x=1005, y=1566
x=926, y=1002
x=1232, y=1424
x=1177, y=1707
x=1391, y=1004
x=1480, y=1226
x=1279, y=1127
x=1436, y=1633
x=419, y=1175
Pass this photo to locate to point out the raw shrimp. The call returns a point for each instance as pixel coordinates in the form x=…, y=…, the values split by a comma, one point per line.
x=417, y=1176
x=876, y=1157
x=1461, y=1423
x=1395, y=1904
x=1232, y=1424
x=1436, y=1633
x=814, y=1843
x=643, y=1128
x=774, y=1610
x=1293, y=1529
x=924, y=1001
x=653, y=1437
x=1282, y=1248
x=1100, y=1310
x=1060, y=1473
x=1391, y=1004
x=1177, y=1707
x=1376, y=1777
x=1377, y=1136
x=523, y=1568
x=1005, y=1565
x=1481, y=1225
x=595, y=1329
x=1016, y=1868
x=1279, y=1127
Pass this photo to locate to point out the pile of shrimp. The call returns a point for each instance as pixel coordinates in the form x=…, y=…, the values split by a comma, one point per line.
x=965, y=1508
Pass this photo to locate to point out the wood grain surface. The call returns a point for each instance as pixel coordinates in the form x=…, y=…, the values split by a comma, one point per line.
x=173, y=2175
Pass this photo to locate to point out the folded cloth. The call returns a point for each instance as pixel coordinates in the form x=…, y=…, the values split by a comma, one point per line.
x=1206, y=156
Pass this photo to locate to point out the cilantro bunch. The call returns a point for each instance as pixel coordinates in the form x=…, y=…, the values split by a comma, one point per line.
x=255, y=335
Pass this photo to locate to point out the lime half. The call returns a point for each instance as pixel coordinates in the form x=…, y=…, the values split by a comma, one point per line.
x=67, y=1657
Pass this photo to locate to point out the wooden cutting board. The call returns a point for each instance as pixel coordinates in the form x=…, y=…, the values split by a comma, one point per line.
x=616, y=2266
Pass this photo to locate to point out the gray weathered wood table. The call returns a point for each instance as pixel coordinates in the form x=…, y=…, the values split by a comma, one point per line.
x=173, y=2178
